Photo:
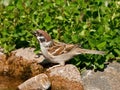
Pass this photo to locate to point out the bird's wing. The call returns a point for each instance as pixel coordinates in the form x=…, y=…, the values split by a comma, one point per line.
x=60, y=48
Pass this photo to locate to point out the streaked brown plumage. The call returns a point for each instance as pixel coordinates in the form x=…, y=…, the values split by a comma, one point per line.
x=58, y=52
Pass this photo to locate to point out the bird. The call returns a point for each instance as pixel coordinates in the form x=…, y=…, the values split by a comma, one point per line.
x=59, y=52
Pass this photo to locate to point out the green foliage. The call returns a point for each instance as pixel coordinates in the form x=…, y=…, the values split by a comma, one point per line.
x=92, y=24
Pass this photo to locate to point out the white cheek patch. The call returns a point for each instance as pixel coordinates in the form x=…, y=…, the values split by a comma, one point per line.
x=38, y=37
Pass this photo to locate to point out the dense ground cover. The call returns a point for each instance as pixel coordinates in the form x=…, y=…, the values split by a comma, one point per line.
x=92, y=24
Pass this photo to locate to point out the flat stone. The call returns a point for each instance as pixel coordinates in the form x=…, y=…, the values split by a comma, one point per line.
x=109, y=79
x=28, y=54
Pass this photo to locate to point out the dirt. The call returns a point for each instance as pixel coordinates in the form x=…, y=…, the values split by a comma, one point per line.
x=9, y=83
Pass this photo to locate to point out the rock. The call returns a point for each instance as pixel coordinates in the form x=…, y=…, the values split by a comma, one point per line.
x=39, y=82
x=3, y=66
x=56, y=78
x=22, y=64
x=65, y=78
x=28, y=54
x=68, y=71
x=60, y=83
x=109, y=79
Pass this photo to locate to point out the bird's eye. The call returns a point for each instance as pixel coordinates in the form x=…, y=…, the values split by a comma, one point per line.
x=40, y=34
x=42, y=39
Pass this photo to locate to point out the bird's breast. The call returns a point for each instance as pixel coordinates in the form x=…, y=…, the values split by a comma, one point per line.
x=45, y=53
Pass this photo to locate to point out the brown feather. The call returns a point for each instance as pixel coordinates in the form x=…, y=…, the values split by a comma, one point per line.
x=59, y=48
x=46, y=35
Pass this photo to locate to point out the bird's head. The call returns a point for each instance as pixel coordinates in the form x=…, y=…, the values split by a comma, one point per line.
x=43, y=37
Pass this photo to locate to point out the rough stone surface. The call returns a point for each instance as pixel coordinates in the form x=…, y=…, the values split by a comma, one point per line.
x=28, y=54
x=56, y=78
x=20, y=63
x=60, y=83
x=68, y=71
x=65, y=78
x=3, y=66
x=109, y=79
x=39, y=82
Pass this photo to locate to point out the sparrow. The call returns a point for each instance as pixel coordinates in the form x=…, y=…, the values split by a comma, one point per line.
x=59, y=52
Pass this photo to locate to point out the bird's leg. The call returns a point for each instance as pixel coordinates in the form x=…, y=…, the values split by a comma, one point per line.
x=55, y=66
x=38, y=55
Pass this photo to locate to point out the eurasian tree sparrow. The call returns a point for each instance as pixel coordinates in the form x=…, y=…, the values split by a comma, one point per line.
x=58, y=52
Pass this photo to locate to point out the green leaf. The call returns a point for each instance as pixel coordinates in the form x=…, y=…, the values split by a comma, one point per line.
x=95, y=25
x=20, y=5
x=75, y=38
x=59, y=18
x=87, y=63
x=101, y=45
x=47, y=19
x=82, y=33
x=109, y=56
x=117, y=51
x=100, y=66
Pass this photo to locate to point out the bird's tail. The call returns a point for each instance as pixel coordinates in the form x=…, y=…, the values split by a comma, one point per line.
x=87, y=51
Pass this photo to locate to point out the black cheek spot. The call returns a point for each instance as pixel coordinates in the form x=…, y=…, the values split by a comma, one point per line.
x=42, y=39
